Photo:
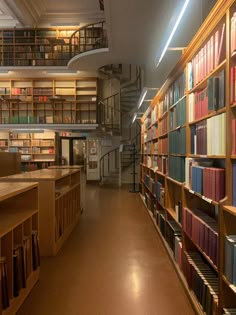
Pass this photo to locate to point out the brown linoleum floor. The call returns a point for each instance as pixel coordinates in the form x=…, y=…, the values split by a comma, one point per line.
x=113, y=264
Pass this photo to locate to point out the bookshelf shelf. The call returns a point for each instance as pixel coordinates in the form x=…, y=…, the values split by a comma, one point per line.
x=19, y=249
x=230, y=209
x=219, y=111
x=194, y=209
x=203, y=83
x=30, y=145
x=40, y=101
x=59, y=204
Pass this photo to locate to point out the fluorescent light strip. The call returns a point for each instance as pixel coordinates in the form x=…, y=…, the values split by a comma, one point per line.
x=134, y=118
x=173, y=31
x=142, y=98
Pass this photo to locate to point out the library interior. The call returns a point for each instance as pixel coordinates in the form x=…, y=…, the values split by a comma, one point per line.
x=118, y=157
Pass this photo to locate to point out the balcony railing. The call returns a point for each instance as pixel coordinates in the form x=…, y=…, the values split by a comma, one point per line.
x=48, y=47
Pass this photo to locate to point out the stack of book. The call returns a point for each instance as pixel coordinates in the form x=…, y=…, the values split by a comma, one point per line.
x=4, y=283
x=203, y=231
x=177, y=168
x=172, y=230
x=202, y=280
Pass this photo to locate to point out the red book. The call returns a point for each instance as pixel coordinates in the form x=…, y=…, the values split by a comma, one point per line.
x=211, y=53
x=208, y=57
x=234, y=83
x=233, y=137
x=232, y=87
x=216, y=50
x=205, y=60
x=220, y=183
x=221, y=52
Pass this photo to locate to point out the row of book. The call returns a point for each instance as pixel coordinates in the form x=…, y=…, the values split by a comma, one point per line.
x=20, y=91
x=208, y=57
x=202, y=280
x=230, y=258
x=172, y=230
x=234, y=136
x=175, y=92
x=25, y=258
x=154, y=115
x=154, y=132
x=208, y=136
x=4, y=91
x=232, y=85
x=209, y=99
x=163, y=126
x=202, y=230
x=233, y=32
x=177, y=168
x=177, y=115
x=178, y=251
x=162, y=164
x=20, y=120
x=234, y=184
x=177, y=141
x=207, y=181
x=163, y=145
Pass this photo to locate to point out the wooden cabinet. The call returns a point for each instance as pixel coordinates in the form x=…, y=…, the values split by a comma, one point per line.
x=48, y=101
x=188, y=170
x=59, y=204
x=19, y=261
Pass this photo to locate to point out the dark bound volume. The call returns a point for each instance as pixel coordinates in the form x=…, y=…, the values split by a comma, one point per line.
x=27, y=255
x=4, y=285
x=19, y=277
x=35, y=250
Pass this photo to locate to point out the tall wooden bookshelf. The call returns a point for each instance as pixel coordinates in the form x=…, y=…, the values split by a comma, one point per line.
x=59, y=204
x=188, y=169
x=19, y=261
x=48, y=101
x=37, y=150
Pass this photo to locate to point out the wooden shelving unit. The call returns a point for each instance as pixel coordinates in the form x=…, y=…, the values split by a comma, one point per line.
x=59, y=204
x=48, y=101
x=37, y=150
x=188, y=171
x=19, y=263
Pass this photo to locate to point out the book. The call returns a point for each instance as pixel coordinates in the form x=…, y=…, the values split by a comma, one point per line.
x=19, y=275
x=4, y=283
x=230, y=258
x=35, y=250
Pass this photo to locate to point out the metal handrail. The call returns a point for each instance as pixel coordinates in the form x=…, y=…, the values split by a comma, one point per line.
x=80, y=41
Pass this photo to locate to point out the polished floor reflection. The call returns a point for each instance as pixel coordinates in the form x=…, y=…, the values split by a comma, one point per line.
x=113, y=264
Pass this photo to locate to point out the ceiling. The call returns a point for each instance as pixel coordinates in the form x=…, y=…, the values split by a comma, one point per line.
x=137, y=29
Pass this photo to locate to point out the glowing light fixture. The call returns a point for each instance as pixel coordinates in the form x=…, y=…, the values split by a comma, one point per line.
x=142, y=97
x=173, y=31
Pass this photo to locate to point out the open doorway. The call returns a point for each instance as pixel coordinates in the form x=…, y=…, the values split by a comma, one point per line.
x=73, y=151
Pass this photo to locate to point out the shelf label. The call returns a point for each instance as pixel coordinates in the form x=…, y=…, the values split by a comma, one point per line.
x=207, y=199
x=203, y=156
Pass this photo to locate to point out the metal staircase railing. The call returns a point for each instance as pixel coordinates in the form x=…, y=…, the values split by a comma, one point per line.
x=109, y=113
x=90, y=37
x=110, y=162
